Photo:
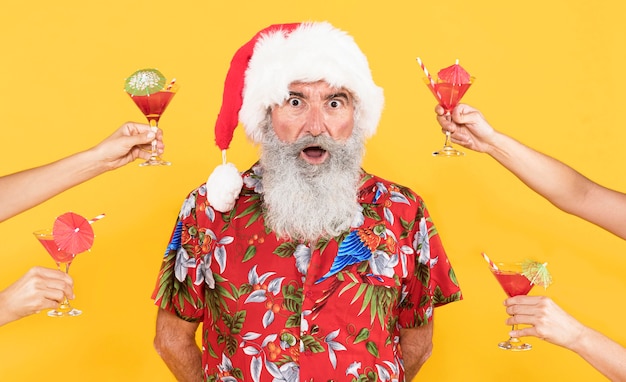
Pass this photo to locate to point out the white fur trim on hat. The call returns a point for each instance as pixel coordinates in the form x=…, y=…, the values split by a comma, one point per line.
x=312, y=52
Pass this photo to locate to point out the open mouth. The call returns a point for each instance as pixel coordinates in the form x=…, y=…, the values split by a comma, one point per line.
x=314, y=152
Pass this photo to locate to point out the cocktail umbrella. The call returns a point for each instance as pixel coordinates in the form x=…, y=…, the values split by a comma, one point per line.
x=72, y=233
x=537, y=273
x=454, y=74
x=144, y=82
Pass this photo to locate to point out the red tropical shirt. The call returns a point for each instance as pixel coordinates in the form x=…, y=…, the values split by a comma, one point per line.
x=281, y=310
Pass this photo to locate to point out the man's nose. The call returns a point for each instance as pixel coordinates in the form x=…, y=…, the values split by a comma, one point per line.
x=316, y=122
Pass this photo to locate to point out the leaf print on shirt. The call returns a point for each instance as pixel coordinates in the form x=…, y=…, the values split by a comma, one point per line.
x=260, y=293
x=378, y=298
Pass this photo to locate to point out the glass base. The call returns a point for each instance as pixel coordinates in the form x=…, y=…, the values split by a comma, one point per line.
x=448, y=151
x=70, y=312
x=155, y=161
x=514, y=344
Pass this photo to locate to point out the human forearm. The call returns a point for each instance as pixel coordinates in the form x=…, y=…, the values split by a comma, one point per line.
x=175, y=342
x=25, y=189
x=417, y=346
x=604, y=354
x=558, y=183
x=184, y=360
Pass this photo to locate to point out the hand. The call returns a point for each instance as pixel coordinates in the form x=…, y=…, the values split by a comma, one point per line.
x=467, y=126
x=549, y=322
x=129, y=142
x=40, y=288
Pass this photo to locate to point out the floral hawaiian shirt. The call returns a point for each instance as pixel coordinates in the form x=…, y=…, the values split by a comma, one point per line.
x=280, y=310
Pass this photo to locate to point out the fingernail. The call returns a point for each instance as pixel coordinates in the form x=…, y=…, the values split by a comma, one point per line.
x=151, y=135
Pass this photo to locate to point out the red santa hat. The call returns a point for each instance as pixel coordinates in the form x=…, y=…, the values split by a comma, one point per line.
x=259, y=77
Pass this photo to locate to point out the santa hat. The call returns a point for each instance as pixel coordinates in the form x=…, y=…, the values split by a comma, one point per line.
x=259, y=77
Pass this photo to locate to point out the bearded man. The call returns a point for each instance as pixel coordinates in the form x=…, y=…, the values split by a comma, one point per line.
x=314, y=270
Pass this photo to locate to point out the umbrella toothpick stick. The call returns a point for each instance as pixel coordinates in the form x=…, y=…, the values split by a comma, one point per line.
x=95, y=219
x=543, y=266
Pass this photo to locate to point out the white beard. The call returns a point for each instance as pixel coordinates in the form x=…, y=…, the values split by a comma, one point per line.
x=307, y=202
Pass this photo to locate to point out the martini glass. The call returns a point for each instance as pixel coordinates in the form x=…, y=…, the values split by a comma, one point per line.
x=514, y=283
x=63, y=260
x=448, y=95
x=152, y=106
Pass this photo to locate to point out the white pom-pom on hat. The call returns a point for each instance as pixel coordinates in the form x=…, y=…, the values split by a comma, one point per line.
x=223, y=187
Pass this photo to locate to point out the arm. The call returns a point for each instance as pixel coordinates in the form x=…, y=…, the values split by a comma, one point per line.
x=417, y=346
x=558, y=183
x=40, y=288
x=23, y=190
x=175, y=341
x=553, y=324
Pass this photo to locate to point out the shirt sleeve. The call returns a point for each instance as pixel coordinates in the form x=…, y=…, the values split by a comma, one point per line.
x=432, y=282
x=180, y=287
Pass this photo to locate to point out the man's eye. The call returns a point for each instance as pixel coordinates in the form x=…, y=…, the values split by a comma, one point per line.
x=335, y=103
x=294, y=102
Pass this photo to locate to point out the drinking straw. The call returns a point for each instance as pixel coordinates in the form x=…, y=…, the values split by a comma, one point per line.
x=491, y=263
x=171, y=84
x=430, y=78
x=95, y=219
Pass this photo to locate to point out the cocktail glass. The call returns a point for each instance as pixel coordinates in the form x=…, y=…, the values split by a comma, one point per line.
x=448, y=95
x=63, y=261
x=152, y=106
x=514, y=283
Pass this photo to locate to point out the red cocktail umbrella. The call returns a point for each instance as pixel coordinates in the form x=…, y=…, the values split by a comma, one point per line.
x=454, y=74
x=72, y=233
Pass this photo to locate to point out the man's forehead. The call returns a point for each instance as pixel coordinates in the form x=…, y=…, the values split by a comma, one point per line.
x=318, y=85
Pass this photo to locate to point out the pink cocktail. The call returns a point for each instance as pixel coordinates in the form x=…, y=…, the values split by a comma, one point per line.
x=514, y=283
x=61, y=258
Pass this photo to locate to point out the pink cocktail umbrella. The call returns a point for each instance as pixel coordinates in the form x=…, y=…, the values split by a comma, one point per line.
x=73, y=233
x=454, y=74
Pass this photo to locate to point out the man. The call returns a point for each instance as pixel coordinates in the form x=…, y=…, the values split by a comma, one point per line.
x=315, y=269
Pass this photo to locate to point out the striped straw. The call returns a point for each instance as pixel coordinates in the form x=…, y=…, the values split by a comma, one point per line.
x=488, y=260
x=95, y=219
x=430, y=78
x=169, y=87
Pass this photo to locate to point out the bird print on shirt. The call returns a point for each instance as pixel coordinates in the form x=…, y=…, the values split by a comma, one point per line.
x=358, y=246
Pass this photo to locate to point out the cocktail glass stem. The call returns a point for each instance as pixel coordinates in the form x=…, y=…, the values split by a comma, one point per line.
x=155, y=159
x=448, y=150
x=154, y=127
x=514, y=343
x=64, y=309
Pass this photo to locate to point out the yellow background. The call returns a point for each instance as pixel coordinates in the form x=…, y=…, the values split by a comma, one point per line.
x=550, y=73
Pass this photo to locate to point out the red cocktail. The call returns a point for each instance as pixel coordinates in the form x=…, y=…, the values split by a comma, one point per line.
x=448, y=87
x=46, y=238
x=153, y=105
x=148, y=89
x=514, y=284
x=448, y=94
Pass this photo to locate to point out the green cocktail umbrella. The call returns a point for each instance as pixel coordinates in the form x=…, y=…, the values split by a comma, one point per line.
x=144, y=82
x=537, y=273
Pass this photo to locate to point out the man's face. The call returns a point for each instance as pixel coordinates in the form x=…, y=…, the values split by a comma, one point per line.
x=314, y=108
